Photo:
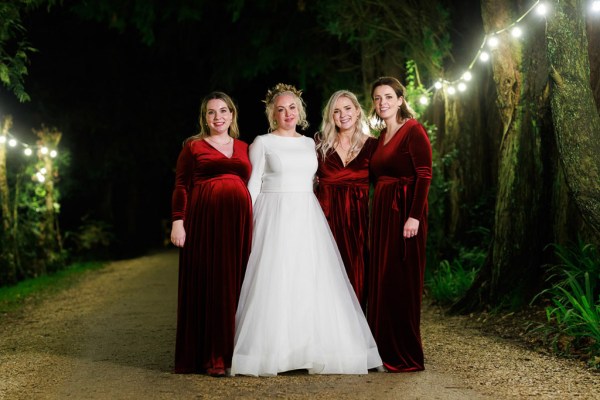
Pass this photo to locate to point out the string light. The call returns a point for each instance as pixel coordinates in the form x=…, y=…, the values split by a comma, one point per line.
x=28, y=151
x=492, y=41
x=595, y=6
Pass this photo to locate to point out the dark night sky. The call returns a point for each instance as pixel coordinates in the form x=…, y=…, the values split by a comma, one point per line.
x=125, y=108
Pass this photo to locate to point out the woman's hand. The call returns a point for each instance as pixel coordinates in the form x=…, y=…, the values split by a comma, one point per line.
x=411, y=227
x=178, y=233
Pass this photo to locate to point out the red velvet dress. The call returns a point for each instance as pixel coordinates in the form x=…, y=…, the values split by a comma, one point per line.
x=211, y=197
x=343, y=193
x=402, y=170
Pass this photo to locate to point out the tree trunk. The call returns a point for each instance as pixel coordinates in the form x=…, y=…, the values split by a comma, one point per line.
x=574, y=112
x=8, y=249
x=519, y=234
x=50, y=240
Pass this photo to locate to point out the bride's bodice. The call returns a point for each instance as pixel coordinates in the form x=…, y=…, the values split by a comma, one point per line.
x=282, y=164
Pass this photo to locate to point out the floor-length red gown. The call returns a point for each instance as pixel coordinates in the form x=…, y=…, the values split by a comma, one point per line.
x=211, y=197
x=343, y=193
x=402, y=170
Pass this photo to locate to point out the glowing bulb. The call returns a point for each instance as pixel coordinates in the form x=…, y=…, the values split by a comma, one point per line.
x=596, y=6
x=44, y=150
x=484, y=56
x=438, y=85
x=516, y=32
x=53, y=153
x=41, y=178
x=28, y=151
x=423, y=100
x=467, y=76
x=12, y=142
x=2, y=139
x=541, y=9
x=43, y=171
x=493, y=42
x=451, y=90
x=462, y=87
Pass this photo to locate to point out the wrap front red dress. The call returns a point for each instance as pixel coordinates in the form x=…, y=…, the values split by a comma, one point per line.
x=402, y=170
x=211, y=197
x=343, y=193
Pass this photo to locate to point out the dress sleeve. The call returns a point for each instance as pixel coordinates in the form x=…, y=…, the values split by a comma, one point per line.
x=183, y=183
x=419, y=148
x=256, y=153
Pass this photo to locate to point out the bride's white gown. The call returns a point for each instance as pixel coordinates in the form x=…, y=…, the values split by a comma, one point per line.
x=297, y=309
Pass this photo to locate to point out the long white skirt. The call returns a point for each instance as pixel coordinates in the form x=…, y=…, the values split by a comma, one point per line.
x=297, y=308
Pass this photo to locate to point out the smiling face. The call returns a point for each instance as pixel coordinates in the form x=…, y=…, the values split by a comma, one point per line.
x=345, y=114
x=386, y=102
x=285, y=112
x=218, y=116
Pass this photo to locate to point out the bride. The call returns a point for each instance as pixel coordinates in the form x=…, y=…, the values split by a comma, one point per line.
x=297, y=308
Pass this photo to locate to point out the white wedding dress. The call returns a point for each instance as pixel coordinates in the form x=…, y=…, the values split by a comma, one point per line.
x=297, y=308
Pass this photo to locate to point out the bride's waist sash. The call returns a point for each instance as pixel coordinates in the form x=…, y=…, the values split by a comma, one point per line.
x=295, y=188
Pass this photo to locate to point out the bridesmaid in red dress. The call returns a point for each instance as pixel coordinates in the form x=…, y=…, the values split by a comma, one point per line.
x=212, y=223
x=344, y=153
x=401, y=166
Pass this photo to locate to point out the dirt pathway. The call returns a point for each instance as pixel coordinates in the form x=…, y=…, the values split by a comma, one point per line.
x=112, y=337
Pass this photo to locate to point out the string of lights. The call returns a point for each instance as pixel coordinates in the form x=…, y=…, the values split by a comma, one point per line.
x=6, y=138
x=489, y=43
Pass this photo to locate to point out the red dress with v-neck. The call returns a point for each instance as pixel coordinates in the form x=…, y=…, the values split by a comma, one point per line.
x=402, y=170
x=211, y=197
x=343, y=193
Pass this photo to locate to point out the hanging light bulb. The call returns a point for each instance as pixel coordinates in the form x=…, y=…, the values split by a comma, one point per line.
x=451, y=90
x=43, y=171
x=424, y=100
x=484, y=56
x=27, y=151
x=53, y=153
x=40, y=177
x=595, y=6
x=467, y=76
x=12, y=142
x=2, y=139
x=493, y=42
x=438, y=85
x=516, y=32
x=44, y=150
x=541, y=9
x=462, y=86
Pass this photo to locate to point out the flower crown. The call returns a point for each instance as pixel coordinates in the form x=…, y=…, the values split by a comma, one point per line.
x=281, y=88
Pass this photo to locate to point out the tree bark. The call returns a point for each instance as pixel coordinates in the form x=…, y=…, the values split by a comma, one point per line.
x=574, y=112
x=8, y=249
x=519, y=233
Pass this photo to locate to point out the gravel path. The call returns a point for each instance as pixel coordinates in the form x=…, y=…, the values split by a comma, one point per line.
x=111, y=336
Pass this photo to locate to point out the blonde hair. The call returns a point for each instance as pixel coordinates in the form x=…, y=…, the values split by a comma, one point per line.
x=234, y=130
x=327, y=137
x=278, y=90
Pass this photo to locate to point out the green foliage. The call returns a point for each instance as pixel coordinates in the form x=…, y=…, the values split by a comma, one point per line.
x=573, y=316
x=450, y=281
x=13, y=297
x=14, y=49
x=91, y=239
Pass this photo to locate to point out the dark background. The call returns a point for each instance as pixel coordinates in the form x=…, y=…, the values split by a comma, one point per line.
x=125, y=102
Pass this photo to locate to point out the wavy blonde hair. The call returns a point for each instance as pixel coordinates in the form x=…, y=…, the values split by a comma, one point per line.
x=274, y=93
x=327, y=137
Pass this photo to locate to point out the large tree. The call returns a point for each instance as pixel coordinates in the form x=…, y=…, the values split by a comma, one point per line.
x=574, y=112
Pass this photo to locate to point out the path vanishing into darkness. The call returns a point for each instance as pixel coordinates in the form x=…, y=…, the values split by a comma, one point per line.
x=112, y=336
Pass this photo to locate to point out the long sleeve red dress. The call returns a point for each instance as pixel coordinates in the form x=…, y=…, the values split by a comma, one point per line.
x=211, y=197
x=343, y=193
x=402, y=169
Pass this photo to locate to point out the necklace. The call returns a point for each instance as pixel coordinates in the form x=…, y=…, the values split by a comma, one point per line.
x=215, y=142
x=349, y=152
